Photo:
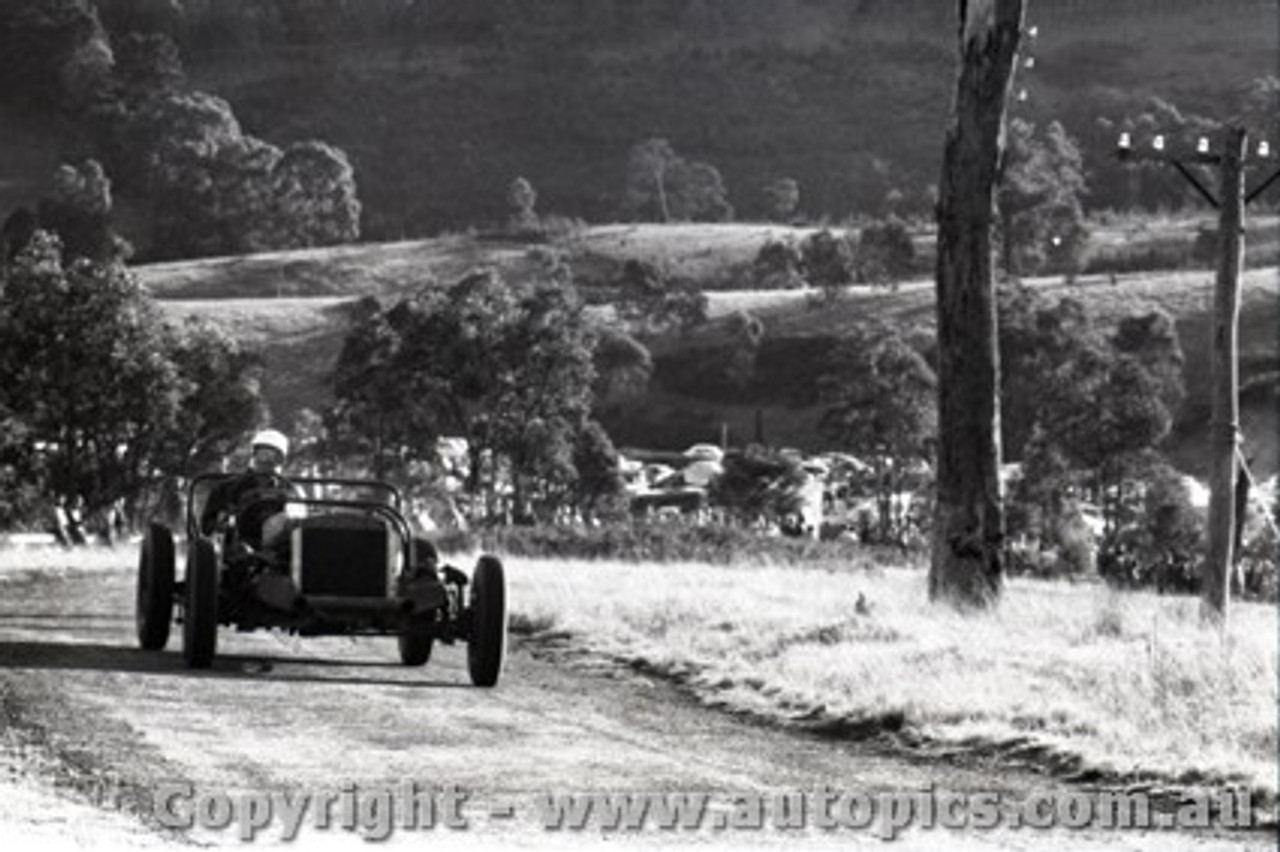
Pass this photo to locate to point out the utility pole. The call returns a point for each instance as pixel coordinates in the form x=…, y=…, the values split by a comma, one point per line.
x=1224, y=426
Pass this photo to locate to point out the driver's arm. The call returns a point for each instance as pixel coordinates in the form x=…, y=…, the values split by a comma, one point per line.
x=219, y=501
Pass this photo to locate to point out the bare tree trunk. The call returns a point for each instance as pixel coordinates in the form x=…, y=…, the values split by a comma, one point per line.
x=968, y=533
x=660, y=181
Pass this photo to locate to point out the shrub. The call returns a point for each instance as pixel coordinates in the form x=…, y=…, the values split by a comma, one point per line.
x=886, y=254
x=1259, y=554
x=1160, y=545
x=777, y=266
x=827, y=260
x=1165, y=253
x=522, y=200
x=715, y=544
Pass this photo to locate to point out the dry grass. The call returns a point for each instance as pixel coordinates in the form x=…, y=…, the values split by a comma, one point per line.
x=255, y=322
x=1129, y=682
x=23, y=563
x=350, y=270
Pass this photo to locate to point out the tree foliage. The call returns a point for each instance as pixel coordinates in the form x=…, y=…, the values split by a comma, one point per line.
x=746, y=333
x=757, y=483
x=85, y=356
x=778, y=265
x=623, y=366
x=509, y=369
x=522, y=201
x=372, y=417
x=53, y=53
x=1089, y=400
x=101, y=397
x=219, y=397
x=78, y=210
x=220, y=191
x=314, y=193
x=213, y=188
x=650, y=302
x=1040, y=200
x=827, y=260
x=879, y=395
x=664, y=186
x=599, y=490
x=1152, y=339
x=147, y=63
x=784, y=199
x=885, y=254
x=1084, y=411
x=20, y=471
x=880, y=404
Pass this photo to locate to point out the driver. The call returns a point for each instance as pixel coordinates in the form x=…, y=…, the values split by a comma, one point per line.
x=256, y=498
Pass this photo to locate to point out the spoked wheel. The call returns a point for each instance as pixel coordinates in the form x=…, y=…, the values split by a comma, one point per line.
x=154, y=609
x=487, y=645
x=200, y=611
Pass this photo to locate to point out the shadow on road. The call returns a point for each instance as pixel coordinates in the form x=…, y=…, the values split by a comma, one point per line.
x=67, y=656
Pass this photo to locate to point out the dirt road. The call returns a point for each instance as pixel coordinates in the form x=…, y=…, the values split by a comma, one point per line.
x=106, y=744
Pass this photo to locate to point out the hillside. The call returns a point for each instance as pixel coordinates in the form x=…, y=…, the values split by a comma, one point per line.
x=848, y=98
x=441, y=104
x=300, y=331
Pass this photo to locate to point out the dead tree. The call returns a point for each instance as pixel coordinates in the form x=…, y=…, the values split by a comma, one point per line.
x=968, y=524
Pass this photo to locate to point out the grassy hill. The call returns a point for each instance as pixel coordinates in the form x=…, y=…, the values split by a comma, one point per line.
x=290, y=305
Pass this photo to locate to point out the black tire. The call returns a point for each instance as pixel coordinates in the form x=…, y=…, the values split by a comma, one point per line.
x=154, y=610
x=415, y=647
x=200, y=616
x=415, y=643
x=487, y=644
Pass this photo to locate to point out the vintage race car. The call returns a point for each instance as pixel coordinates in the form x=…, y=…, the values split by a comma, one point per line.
x=345, y=563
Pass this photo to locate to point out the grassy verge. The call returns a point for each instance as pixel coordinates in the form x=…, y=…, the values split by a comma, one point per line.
x=1127, y=685
x=18, y=564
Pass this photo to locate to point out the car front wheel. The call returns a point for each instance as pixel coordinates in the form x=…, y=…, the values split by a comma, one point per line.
x=154, y=609
x=487, y=645
x=200, y=610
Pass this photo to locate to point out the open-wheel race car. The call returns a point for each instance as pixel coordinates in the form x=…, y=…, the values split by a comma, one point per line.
x=344, y=563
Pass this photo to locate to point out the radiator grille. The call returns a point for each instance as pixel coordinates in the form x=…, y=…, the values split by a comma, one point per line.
x=342, y=561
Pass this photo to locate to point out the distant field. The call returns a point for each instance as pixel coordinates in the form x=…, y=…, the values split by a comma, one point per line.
x=696, y=251
x=289, y=303
x=358, y=270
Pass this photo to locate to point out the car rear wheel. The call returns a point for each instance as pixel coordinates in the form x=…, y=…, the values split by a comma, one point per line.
x=487, y=645
x=415, y=647
x=416, y=643
x=154, y=609
x=200, y=612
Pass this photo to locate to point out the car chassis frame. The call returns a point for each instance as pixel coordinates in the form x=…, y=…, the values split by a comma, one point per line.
x=354, y=569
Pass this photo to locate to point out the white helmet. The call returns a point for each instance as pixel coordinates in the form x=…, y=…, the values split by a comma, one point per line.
x=271, y=438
